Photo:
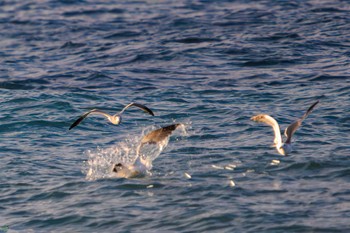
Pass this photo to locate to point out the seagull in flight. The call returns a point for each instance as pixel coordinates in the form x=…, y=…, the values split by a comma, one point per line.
x=286, y=147
x=114, y=119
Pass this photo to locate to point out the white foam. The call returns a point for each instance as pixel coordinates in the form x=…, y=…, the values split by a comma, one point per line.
x=275, y=162
x=216, y=166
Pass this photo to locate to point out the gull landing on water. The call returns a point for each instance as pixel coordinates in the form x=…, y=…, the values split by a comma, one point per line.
x=142, y=165
x=114, y=119
x=286, y=147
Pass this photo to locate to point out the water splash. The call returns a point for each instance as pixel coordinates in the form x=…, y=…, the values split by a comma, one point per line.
x=101, y=161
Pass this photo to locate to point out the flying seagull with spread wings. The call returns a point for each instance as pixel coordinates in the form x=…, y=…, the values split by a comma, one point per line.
x=114, y=119
x=286, y=147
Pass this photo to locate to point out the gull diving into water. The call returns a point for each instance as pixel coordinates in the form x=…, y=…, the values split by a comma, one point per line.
x=141, y=164
x=286, y=147
x=114, y=119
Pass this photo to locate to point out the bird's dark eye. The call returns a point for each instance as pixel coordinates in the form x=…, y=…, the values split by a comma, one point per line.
x=117, y=167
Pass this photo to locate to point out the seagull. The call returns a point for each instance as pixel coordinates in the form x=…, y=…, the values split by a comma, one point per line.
x=286, y=147
x=114, y=119
x=141, y=165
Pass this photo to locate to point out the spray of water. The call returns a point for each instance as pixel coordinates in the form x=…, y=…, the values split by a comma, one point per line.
x=100, y=162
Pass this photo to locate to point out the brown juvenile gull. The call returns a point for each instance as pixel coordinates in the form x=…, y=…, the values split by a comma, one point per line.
x=114, y=119
x=286, y=147
x=141, y=164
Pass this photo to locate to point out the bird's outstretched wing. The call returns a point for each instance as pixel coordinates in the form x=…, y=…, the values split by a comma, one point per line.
x=290, y=130
x=143, y=107
x=158, y=135
x=82, y=117
x=271, y=122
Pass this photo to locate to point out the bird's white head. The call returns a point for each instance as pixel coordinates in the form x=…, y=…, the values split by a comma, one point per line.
x=124, y=171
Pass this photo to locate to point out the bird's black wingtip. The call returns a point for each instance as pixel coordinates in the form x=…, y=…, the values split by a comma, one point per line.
x=72, y=126
x=312, y=106
x=147, y=110
x=143, y=107
x=77, y=122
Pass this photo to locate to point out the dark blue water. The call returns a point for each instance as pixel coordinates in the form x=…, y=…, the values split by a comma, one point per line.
x=209, y=64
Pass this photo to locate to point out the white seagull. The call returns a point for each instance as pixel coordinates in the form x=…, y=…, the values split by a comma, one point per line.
x=141, y=165
x=286, y=147
x=114, y=119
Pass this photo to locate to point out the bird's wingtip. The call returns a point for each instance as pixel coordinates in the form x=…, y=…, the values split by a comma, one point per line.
x=312, y=106
x=72, y=126
x=316, y=103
